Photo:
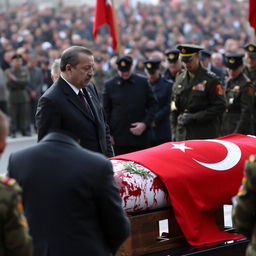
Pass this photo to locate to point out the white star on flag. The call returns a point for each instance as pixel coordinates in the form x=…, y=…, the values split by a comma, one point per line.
x=180, y=146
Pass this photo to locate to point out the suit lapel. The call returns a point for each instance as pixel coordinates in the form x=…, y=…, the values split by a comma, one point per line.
x=74, y=99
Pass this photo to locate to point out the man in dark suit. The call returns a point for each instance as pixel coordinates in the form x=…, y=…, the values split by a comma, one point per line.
x=72, y=103
x=71, y=200
x=130, y=108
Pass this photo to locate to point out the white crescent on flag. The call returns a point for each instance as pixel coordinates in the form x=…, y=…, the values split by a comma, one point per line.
x=108, y=2
x=232, y=158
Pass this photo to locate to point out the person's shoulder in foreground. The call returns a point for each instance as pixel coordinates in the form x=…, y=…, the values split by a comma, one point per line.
x=14, y=229
x=244, y=206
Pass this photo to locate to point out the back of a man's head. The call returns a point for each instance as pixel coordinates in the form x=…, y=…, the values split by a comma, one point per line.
x=4, y=130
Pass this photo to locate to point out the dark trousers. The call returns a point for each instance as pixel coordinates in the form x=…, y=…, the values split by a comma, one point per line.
x=119, y=150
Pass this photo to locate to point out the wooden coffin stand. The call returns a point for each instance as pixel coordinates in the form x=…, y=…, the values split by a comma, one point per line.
x=146, y=240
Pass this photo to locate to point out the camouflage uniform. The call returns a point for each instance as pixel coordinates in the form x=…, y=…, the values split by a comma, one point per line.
x=14, y=238
x=244, y=206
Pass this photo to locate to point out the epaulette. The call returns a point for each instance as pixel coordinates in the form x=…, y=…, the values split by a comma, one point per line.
x=211, y=74
x=7, y=181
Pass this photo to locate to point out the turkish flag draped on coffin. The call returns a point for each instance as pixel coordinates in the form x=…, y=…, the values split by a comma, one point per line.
x=200, y=176
x=252, y=13
x=104, y=15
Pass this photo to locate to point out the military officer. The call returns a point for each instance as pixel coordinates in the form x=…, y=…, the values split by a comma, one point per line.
x=130, y=107
x=14, y=238
x=162, y=90
x=250, y=62
x=100, y=76
x=17, y=82
x=239, y=97
x=250, y=72
x=198, y=99
x=244, y=206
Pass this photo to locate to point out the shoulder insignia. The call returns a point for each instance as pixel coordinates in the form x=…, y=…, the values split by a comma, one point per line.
x=219, y=89
x=22, y=218
x=8, y=181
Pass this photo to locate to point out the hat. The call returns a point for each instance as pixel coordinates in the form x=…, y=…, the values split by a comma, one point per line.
x=251, y=50
x=98, y=59
x=172, y=55
x=187, y=51
x=233, y=61
x=204, y=54
x=124, y=63
x=152, y=65
x=16, y=56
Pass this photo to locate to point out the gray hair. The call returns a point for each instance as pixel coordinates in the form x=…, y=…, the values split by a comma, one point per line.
x=71, y=56
x=55, y=68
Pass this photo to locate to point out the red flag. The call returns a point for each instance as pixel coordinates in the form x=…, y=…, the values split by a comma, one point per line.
x=104, y=15
x=252, y=13
x=200, y=176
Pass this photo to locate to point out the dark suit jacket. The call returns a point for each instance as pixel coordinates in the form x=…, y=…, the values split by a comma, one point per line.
x=71, y=200
x=61, y=108
x=126, y=102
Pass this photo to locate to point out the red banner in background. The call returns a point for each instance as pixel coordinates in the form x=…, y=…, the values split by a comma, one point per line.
x=252, y=13
x=104, y=15
x=200, y=176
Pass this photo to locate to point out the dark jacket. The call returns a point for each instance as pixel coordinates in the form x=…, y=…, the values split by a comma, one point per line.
x=203, y=97
x=60, y=108
x=162, y=90
x=126, y=102
x=71, y=200
x=239, y=106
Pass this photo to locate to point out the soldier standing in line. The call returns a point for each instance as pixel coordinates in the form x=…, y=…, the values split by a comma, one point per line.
x=100, y=76
x=130, y=108
x=162, y=90
x=14, y=237
x=244, y=206
x=239, y=98
x=250, y=72
x=198, y=99
x=17, y=82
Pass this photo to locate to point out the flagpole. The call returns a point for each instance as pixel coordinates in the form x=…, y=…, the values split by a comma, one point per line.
x=119, y=46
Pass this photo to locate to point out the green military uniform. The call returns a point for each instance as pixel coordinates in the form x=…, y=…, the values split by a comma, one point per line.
x=239, y=100
x=14, y=238
x=244, y=206
x=18, y=99
x=203, y=97
x=251, y=74
x=99, y=78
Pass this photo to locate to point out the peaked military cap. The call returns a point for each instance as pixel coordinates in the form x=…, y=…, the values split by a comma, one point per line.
x=16, y=56
x=204, y=54
x=187, y=51
x=124, y=63
x=251, y=50
x=172, y=55
x=233, y=61
x=152, y=65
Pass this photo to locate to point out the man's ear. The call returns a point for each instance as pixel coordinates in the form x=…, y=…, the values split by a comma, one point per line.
x=2, y=146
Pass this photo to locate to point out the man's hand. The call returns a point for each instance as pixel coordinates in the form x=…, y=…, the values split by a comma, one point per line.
x=137, y=128
x=185, y=119
x=11, y=76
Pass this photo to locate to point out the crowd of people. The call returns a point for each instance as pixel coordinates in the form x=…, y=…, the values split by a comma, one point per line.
x=181, y=76
x=40, y=35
